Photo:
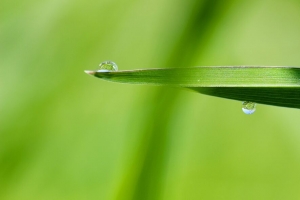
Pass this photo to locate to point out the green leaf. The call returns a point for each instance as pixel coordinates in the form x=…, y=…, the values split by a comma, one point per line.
x=278, y=86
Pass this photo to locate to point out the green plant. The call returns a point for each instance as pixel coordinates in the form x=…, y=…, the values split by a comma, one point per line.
x=278, y=86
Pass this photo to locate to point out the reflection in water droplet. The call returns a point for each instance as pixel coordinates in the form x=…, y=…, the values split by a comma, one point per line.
x=108, y=66
x=248, y=107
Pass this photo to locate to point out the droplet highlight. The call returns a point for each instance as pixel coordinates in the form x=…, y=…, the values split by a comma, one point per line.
x=248, y=107
x=108, y=66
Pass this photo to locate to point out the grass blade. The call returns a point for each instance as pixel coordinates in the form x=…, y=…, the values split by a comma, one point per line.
x=278, y=86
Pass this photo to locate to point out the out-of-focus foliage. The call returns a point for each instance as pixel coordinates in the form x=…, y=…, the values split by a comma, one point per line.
x=65, y=135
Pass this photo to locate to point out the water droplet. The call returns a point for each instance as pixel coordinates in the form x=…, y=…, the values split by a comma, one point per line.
x=108, y=66
x=248, y=107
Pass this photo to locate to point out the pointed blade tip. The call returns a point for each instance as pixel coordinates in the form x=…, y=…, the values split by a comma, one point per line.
x=90, y=72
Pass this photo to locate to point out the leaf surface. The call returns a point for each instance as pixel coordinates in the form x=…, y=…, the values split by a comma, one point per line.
x=278, y=86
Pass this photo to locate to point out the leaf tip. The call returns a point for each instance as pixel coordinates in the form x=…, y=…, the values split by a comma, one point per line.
x=90, y=72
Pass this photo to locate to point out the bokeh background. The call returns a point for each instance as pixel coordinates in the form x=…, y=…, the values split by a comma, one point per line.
x=67, y=135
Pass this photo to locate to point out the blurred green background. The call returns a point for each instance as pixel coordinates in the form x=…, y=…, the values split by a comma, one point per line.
x=67, y=135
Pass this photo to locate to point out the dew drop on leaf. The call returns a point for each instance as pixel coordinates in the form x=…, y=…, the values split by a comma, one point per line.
x=107, y=66
x=248, y=107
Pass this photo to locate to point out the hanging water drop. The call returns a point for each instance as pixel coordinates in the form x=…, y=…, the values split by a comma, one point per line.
x=248, y=107
x=108, y=66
